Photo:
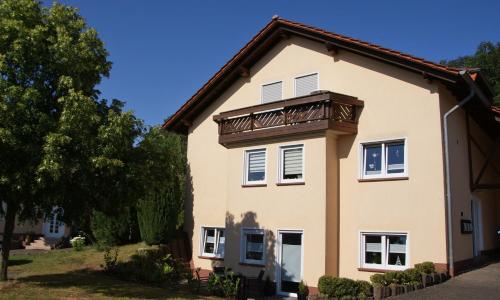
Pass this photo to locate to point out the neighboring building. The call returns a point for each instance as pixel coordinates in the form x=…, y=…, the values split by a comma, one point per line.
x=312, y=153
x=43, y=234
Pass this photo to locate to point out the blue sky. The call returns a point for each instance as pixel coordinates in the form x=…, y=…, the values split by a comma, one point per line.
x=164, y=51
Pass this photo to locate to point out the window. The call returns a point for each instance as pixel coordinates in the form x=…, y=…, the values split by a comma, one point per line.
x=305, y=85
x=255, y=167
x=384, y=159
x=272, y=92
x=384, y=251
x=252, y=246
x=213, y=242
x=291, y=164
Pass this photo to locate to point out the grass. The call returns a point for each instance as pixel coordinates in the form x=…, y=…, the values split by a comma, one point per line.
x=68, y=274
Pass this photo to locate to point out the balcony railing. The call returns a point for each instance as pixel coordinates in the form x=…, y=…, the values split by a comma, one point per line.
x=312, y=113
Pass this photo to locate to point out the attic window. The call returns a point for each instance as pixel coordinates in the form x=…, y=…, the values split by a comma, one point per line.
x=305, y=85
x=272, y=92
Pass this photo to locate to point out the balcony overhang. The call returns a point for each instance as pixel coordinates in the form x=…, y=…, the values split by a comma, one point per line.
x=313, y=113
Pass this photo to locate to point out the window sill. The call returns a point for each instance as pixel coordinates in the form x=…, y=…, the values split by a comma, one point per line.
x=375, y=270
x=383, y=179
x=290, y=183
x=252, y=264
x=254, y=185
x=210, y=257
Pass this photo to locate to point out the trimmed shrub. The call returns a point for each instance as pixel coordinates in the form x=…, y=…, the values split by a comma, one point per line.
x=378, y=280
x=364, y=289
x=426, y=267
x=393, y=277
x=337, y=286
x=412, y=275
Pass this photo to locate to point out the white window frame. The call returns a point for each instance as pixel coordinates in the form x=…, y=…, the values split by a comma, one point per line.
x=300, y=76
x=243, y=246
x=384, y=265
x=216, y=245
x=269, y=83
x=246, y=166
x=383, y=172
x=281, y=156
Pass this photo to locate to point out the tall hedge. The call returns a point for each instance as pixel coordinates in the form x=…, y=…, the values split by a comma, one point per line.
x=117, y=229
x=163, y=170
x=158, y=213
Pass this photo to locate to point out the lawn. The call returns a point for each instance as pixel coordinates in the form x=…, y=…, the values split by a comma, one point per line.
x=67, y=274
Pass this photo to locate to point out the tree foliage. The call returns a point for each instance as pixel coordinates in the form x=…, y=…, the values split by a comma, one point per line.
x=487, y=58
x=59, y=144
x=160, y=205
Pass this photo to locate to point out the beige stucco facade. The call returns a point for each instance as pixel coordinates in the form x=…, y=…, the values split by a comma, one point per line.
x=333, y=207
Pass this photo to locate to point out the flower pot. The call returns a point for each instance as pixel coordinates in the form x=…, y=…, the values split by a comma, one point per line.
x=301, y=297
x=408, y=288
x=444, y=276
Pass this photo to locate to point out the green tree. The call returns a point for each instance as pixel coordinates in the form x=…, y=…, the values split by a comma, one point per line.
x=162, y=175
x=487, y=58
x=59, y=144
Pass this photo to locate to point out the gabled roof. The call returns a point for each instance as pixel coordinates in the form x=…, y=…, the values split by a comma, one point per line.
x=279, y=29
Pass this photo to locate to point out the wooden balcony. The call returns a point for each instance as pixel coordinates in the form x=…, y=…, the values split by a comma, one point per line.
x=301, y=115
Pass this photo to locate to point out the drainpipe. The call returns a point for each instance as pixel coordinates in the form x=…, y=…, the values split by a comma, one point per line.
x=474, y=90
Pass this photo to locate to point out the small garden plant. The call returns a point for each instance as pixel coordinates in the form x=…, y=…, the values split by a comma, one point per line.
x=78, y=242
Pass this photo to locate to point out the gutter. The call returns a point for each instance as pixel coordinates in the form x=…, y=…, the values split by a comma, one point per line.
x=474, y=91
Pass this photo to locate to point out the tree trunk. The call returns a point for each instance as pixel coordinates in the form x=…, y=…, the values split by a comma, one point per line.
x=10, y=220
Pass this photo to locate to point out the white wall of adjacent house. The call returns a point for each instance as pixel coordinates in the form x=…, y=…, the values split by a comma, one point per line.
x=332, y=207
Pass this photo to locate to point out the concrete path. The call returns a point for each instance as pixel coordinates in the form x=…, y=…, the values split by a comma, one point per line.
x=483, y=283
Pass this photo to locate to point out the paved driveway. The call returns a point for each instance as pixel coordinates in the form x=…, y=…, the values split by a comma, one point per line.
x=481, y=284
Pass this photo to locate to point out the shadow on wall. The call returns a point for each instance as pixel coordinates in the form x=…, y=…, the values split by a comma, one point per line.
x=233, y=244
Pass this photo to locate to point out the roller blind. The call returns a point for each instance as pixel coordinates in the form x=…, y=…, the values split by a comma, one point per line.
x=272, y=92
x=256, y=162
x=304, y=85
x=292, y=162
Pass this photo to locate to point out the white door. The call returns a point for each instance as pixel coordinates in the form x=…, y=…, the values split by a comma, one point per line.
x=290, y=256
x=477, y=223
x=53, y=227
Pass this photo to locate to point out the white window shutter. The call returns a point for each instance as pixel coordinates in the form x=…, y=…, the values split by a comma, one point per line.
x=272, y=92
x=293, y=161
x=304, y=85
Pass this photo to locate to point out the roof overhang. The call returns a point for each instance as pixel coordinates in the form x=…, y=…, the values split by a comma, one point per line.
x=279, y=29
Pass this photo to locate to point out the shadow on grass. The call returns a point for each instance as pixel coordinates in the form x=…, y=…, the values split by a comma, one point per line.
x=19, y=262
x=96, y=282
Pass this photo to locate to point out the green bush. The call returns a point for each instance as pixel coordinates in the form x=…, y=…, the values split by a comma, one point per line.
x=426, y=267
x=111, y=230
x=378, y=280
x=110, y=260
x=337, y=286
x=393, y=277
x=224, y=286
x=303, y=289
x=411, y=276
x=364, y=289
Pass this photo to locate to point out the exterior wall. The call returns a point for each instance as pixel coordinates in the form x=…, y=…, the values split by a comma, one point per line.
x=460, y=183
x=22, y=228
x=397, y=104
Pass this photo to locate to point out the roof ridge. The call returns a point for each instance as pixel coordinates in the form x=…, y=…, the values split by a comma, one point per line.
x=372, y=45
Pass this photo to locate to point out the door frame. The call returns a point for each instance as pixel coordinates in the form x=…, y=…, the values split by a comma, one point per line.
x=477, y=229
x=54, y=216
x=278, y=259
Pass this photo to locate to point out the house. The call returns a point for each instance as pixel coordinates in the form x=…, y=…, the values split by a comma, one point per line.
x=41, y=235
x=313, y=153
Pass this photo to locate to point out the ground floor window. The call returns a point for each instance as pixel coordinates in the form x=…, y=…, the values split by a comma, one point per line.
x=384, y=250
x=252, y=246
x=213, y=242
